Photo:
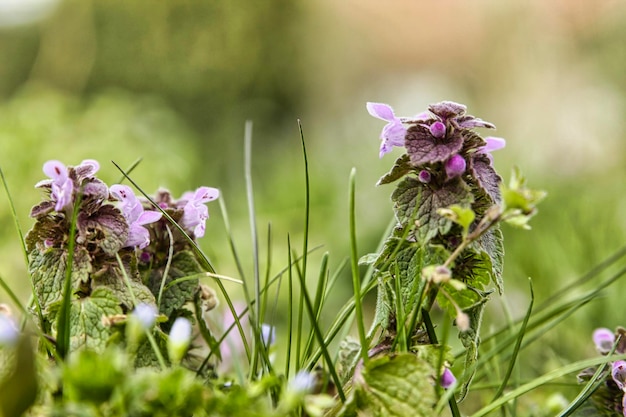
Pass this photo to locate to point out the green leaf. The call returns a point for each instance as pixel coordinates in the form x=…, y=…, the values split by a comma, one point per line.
x=492, y=242
x=86, y=327
x=183, y=264
x=394, y=386
x=112, y=278
x=401, y=167
x=463, y=216
x=411, y=193
x=48, y=273
x=92, y=376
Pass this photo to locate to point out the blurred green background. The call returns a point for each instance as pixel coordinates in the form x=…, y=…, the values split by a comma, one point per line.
x=173, y=83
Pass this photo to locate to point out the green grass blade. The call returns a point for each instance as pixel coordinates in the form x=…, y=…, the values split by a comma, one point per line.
x=319, y=298
x=153, y=343
x=356, y=277
x=289, y=308
x=254, y=313
x=63, y=321
x=517, y=346
x=544, y=379
x=320, y=338
x=18, y=229
x=130, y=169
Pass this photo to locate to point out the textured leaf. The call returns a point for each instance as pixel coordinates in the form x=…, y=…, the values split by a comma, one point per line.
x=105, y=228
x=42, y=209
x=113, y=280
x=46, y=229
x=401, y=167
x=86, y=327
x=183, y=264
x=487, y=177
x=48, y=273
x=447, y=109
x=424, y=148
x=429, y=199
x=492, y=242
x=395, y=386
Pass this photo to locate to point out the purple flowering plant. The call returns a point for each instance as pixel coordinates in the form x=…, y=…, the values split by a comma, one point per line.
x=115, y=275
x=125, y=255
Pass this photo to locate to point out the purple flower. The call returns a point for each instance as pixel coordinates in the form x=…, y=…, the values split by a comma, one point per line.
x=61, y=184
x=493, y=144
x=394, y=132
x=195, y=213
x=455, y=166
x=447, y=378
x=603, y=339
x=268, y=334
x=619, y=373
x=135, y=215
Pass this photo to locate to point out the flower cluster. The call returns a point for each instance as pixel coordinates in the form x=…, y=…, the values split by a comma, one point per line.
x=610, y=396
x=121, y=240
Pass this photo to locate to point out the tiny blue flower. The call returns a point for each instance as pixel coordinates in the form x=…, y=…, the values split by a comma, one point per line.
x=146, y=315
x=8, y=331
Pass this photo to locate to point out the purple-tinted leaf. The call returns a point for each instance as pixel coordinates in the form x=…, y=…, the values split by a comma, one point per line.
x=42, y=209
x=447, y=109
x=86, y=169
x=487, y=177
x=470, y=122
x=401, y=167
x=46, y=228
x=106, y=229
x=424, y=148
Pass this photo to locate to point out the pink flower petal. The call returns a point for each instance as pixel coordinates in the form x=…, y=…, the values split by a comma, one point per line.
x=381, y=111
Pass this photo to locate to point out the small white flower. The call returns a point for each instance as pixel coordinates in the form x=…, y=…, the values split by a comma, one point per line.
x=268, y=334
x=302, y=383
x=8, y=331
x=179, y=340
x=146, y=315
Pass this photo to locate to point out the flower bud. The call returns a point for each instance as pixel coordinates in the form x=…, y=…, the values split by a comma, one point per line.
x=447, y=378
x=438, y=130
x=462, y=321
x=179, y=340
x=424, y=176
x=455, y=166
x=8, y=331
x=603, y=339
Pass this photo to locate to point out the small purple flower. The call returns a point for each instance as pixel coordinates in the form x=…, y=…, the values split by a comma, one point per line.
x=438, y=129
x=619, y=374
x=61, y=185
x=268, y=334
x=195, y=213
x=135, y=215
x=493, y=144
x=603, y=339
x=394, y=131
x=455, y=166
x=447, y=378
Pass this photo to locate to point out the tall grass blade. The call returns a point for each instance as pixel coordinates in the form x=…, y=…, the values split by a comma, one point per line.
x=517, y=346
x=63, y=321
